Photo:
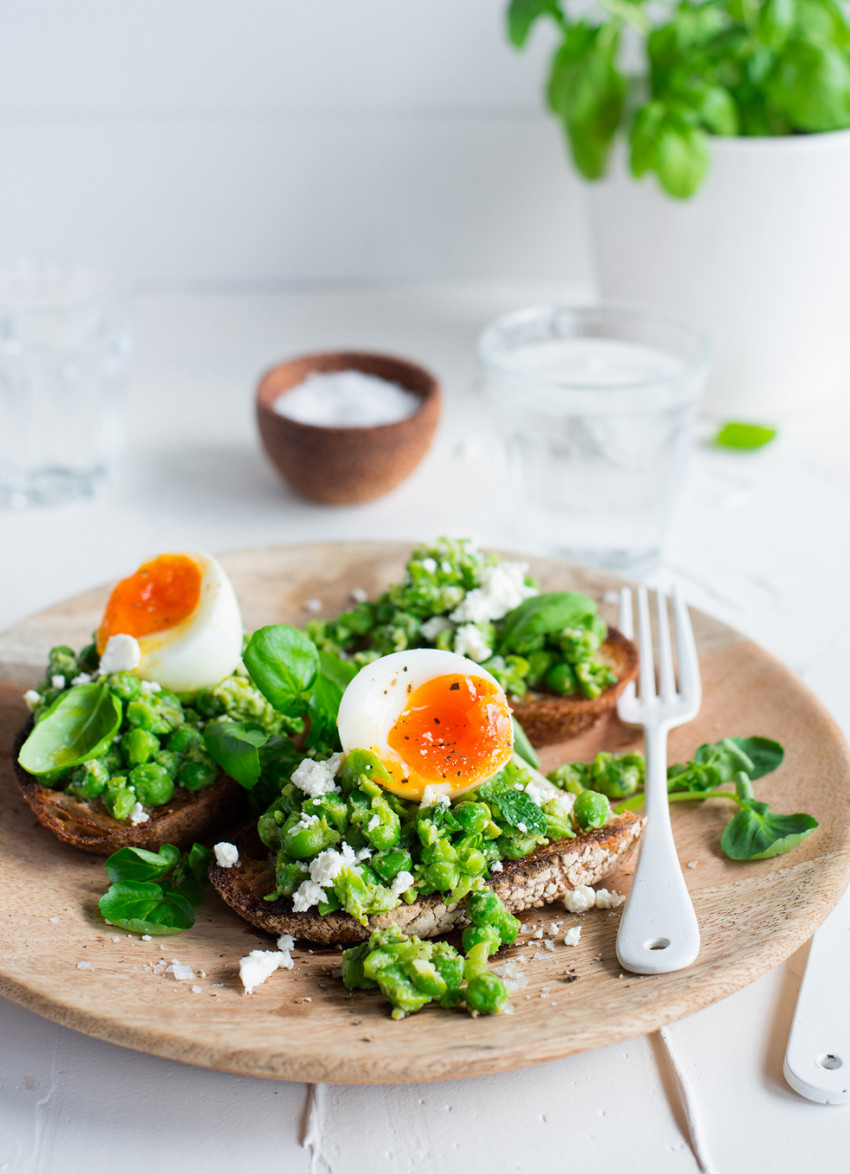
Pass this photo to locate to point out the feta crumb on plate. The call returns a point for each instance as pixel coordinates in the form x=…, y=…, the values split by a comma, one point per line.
x=608, y=900
x=580, y=899
x=572, y=936
x=84, y=966
x=181, y=970
x=259, y=965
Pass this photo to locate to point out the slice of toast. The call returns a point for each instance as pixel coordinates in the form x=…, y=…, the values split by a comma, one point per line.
x=547, y=718
x=527, y=883
x=189, y=816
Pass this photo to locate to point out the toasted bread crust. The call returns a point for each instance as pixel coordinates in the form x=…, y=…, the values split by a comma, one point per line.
x=189, y=816
x=530, y=882
x=547, y=718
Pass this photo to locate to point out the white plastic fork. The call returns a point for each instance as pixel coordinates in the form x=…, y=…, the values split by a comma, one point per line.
x=658, y=930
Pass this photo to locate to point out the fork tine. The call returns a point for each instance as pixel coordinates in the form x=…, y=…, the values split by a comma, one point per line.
x=626, y=624
x=666, y=675
x=689, y=675
x=647, y=666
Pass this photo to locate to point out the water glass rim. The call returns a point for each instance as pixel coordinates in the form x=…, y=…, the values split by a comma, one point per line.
x=634, y=312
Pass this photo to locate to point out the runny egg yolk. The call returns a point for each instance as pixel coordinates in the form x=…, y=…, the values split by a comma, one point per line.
x=160, y=595
x=455, y=731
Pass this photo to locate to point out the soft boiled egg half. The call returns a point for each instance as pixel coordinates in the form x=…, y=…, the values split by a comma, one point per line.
x=434, y=719
x=183, y=613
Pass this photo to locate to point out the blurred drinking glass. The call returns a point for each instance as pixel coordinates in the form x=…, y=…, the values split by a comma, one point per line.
x=596, y=406
x=64, y=363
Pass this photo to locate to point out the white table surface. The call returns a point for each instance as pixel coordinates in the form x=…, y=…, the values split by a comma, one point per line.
x=759, y=540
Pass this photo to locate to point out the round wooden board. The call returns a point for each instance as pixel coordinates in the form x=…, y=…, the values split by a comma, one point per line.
x=302, y=1024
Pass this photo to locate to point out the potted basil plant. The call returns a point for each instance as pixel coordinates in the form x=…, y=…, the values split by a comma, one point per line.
x=721, y=177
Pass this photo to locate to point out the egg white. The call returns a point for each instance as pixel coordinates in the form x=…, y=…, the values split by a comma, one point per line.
x=376, y=697
x=204, y=648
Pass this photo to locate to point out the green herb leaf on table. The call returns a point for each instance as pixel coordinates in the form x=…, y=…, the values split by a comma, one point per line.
x=283, y=664
x=79, y=725
x=743, y=437
x=141, y=900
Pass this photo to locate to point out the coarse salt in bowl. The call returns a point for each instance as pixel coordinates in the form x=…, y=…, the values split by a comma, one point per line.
x=343, y=427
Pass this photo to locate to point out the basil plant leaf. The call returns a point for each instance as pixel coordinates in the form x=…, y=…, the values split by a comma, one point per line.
x=283, y=664
x=142, y=907
x=236, y=749
x=138, y=864
x=521, y=17
x=79, y=725
x=198, y=861
x=743, y=437
x=541, y=614
x=810, y=85
x=756, y=833
x=326, y=695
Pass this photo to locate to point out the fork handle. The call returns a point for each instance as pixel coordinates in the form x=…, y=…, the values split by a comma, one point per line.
x=658, y=930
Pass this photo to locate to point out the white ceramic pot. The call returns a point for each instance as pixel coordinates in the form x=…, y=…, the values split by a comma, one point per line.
x=759, y=258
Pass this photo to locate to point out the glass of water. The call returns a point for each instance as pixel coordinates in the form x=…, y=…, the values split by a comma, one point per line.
x=64, y=363
x=596, y=406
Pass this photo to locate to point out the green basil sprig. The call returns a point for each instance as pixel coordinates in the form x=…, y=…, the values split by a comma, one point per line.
x=711, y=68
x=754, y=832
x=79, y=725
x=141, y=900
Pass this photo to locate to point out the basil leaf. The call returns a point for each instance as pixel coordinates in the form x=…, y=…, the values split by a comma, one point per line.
x=522, y=15
x=145, y=908
x=236, y=749
x=810, y=85
x=681, y=157
x=756, y=833
x=138, y=864
x=198, y=861
x=331, y=683
x=79, y=725
x=283, y=664
x=335, y=669
x=764, y=754
x=541, y=614
x=587, y=92
x=745, y=437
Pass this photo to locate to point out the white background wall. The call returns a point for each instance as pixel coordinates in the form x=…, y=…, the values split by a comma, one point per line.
x=283, y=141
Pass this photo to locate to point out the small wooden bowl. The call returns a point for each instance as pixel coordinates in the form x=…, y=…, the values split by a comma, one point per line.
x=342, y=466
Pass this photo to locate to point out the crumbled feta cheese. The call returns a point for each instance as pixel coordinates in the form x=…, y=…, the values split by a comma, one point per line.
x=579, y=900
x=151, y=687
x=373, y=823
x=138, y=814
x=364, y=853
x=257, y=966
x=313, y=605
x=692, y=863
x=307, y=895
x=32, y=699
x=429, y=565
x=536, y=793
x=285, y=943
x=160, y=966
x=469, y=641
x=146, y=937
x=181, y=970
x=116, y=939
x=496, y=866
x=358, y=595
x=317, y=778
x=196, y=989
x=432, y=795
x=511, y=975
x=606, y=900
x=121, y=654
x=538, y=933
x=434, y=626
x=226, y=855
x=401, y=883
x=522, y=827
x=308, y=818
x=57, y=681
x=548, y=944
x=572, y=936
x=82, y=679
x=553, y=929
x=53, y=920
x=503, y=588
x=84, y=966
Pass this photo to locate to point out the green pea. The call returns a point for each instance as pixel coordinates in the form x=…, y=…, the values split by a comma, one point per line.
x=140, y=713
x=303, y=842
x=125, y=686
x=484, y=908
x=591, y=810
x=426, y=977
x=118, y=798
x=138, y=746
x=561, y=678
x=152, y=784
x=390, y=863
x=472, y=817
x=539, y=663
x=383, y=828
x=169, y=761
x=181, y=739
x=288, y=875
x=362, y=762
x=89, y=779
x=476, y=960
x=449, y=963
x=486, y=994
x=442, y=876
x=476, y=935
x=470, y=858
x=352, y=968
x=508, y=927
x=194, y=776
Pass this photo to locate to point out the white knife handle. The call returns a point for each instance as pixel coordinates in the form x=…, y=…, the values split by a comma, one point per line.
x=817, y=1061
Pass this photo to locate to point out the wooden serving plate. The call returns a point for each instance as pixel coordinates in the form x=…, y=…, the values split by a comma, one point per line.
x=303, y=1024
